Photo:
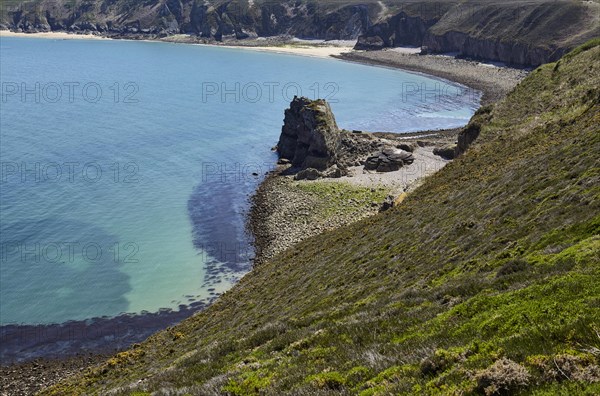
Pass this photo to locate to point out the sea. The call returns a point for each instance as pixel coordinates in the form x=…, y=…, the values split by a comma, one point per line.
x=127, y=168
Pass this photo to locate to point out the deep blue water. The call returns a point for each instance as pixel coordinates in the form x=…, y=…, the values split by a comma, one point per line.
x=127, y=166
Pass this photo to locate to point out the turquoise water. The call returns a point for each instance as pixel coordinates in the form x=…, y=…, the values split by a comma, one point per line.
x=126, y=171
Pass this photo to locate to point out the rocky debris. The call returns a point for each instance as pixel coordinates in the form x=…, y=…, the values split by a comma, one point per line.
x=389, y=160
x=308, y=174
x=355, y=148
x=369, y=43
x=310, y=137
x=283, y=214
x=335, y=172
x=24, y=379
x=315, y=147
x=447, y=152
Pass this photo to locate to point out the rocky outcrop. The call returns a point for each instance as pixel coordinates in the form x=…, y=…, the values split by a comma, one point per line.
x=466, y=137
x=471, y=132
x=310, y=137
x=510, y=52
x=402, y=29
x=312, y=146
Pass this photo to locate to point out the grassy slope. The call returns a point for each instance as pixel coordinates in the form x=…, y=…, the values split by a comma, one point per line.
x=541, y=23
x=497, y=255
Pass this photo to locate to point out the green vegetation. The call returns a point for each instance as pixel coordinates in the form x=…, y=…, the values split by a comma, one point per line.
x=485, y=280
x=556, y=23
x=339, y=198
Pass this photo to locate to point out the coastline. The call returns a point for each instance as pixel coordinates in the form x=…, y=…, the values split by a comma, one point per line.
x=493, y=81
x=300, y=47
x=274, y=186
x=53, y=35
x=285, y=212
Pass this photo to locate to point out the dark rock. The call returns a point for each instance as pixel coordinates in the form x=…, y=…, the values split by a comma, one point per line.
x=407, y=28
x=447, y=152
x=387, y=204
x=389, y=160
x=310, y=137
x=369, y=43
x=471, y=132
x=335, y=172
x=308, y=174
x=466, y=137
x=406, y=147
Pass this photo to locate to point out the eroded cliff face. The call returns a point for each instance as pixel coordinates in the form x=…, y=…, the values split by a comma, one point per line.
x=211, y=19
x=408, y=27
x=515, y=32
x=511, y=52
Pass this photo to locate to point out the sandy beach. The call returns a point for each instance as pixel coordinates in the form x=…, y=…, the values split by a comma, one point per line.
x=53, y=35
x=302, y=50
x=318, y=49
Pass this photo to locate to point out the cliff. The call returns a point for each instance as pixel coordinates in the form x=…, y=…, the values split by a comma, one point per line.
x=526, y=33
x=520, y=32
x=211, y=19
x=484, y=280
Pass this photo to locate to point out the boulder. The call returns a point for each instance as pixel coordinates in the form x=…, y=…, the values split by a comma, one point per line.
x=369, y=43
x=389, y=160
x=308, y=174
x=335, y=172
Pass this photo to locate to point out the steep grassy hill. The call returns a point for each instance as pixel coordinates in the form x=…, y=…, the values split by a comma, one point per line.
x=512, y=31
x=485, y=280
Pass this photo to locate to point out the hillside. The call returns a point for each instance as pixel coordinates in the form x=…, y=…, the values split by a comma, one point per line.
x=512, y=31
x=212, y=19
x=485, y=279
x=524, y=32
